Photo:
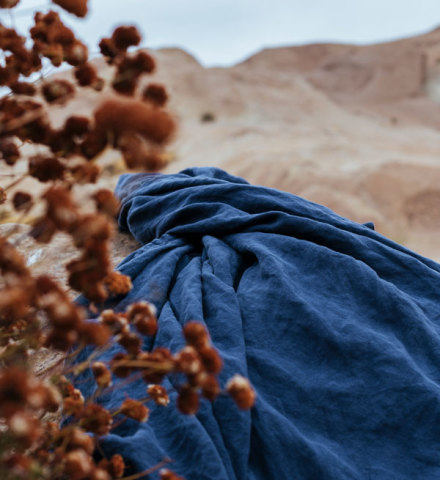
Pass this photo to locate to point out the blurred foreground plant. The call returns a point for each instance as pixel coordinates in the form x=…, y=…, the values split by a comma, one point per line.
x=36, y=312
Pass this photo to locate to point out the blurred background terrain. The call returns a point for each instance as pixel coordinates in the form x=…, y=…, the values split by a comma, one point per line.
x=355, y=127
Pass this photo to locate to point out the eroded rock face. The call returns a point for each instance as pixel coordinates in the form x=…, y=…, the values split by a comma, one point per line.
x=356, y=128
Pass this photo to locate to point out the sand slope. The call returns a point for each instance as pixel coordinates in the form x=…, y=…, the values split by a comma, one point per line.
x=354, y=128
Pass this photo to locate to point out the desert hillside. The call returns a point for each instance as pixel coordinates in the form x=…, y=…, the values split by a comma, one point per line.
x=356, y=128
x=353, y=128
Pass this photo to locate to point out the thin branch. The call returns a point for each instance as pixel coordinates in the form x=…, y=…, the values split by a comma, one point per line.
x=16, y=182
x=150, y=470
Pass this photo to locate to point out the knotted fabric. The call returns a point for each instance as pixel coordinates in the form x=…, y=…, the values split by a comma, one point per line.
x=336, y=327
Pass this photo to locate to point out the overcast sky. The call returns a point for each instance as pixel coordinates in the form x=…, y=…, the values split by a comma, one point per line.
x=223, y=32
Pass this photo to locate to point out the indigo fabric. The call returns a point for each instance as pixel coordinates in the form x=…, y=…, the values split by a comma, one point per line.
x=337, y=328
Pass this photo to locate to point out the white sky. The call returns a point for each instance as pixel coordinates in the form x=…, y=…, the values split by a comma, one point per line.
x=223, y=32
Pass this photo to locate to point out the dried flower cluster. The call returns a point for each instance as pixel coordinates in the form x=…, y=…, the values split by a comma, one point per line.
x=35, y=311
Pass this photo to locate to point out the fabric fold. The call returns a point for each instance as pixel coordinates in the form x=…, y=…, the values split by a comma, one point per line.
x=336, y=326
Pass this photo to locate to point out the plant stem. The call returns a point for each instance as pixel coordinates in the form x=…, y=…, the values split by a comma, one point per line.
x=148, y=471
x=16, y=182
x=158, y=366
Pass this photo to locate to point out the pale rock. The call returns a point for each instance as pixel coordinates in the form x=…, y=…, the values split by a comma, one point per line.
x=355, y=128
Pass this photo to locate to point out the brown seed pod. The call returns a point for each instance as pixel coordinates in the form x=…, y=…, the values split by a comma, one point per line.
x=14, y=303
x=14, y=390
x=143, y=62
x=187, y=361
x=23, y=88
x=241, y=392
x=158, y=394
x=143, y=316
x=102, y=374
x=8, y=3
x=22, y=201
x=57, y=91
x=62, y=35
x=73, y=404
x=106, y=202
x=96, y=419
x=160, y=356
x=54, y=52
x=118, y=284
x=131, y=342
x=117, y=365
x=94, y=143
x=188, y=400
x=11, y=261
x=46, y=168
x=165, y=474
x=35, y=131
x=210, y=387
x=86, y=75
x=137, y=153
x=86, y=273
x=85, y=173
x=76, y=125
x=60, y=142
x=155, y=94
x=130, y=68
x=24, y=428
x=116, y=116
x=125, y=84
x=211, y=360
x=61, y=313
x=94, y=333
x=43, y=230
x=77, y=7
x=196, y=334
x=76, y=54
x=74, y=438
x=44, y=25
x=9, y=151
x=78, y=465
x=108, y=49
x=8, y=75
x=126, y=36
x=115, y=466
x=117, y=322
x=91, y=229
x=61, y=339
x=135, y=409
x=61, y=209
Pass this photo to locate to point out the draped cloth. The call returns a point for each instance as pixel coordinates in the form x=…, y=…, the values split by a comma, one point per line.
x=336, y=327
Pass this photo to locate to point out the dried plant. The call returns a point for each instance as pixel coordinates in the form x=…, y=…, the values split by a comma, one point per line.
x=35, y=311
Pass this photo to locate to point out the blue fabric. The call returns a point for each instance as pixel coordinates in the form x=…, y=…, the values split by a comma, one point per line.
x=336, y=327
